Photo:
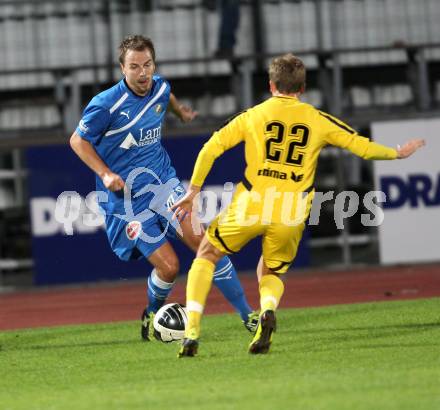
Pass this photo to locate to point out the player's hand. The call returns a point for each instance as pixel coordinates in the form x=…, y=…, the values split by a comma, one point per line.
x=185, y=205
x=113, y=181
x=409, y=148
x=186, y=113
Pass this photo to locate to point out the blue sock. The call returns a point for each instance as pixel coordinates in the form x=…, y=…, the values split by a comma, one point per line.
x=157, y=291
x=226, y=279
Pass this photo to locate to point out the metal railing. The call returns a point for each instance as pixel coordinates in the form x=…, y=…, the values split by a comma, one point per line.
x=332, y=78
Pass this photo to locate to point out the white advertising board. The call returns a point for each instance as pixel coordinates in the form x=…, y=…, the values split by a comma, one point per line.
x=410, y=231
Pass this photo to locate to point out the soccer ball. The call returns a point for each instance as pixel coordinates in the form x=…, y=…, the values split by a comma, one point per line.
x=169, y=322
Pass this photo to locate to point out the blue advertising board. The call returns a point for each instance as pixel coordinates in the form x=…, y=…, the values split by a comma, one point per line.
x=85, y=256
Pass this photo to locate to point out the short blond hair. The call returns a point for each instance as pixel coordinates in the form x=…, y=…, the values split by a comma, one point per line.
x=288, y=73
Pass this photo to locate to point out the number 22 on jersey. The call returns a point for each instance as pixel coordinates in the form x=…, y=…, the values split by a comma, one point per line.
x=280, y=151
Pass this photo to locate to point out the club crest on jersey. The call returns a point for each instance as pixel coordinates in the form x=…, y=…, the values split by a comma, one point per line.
x=133, y=230
x=158, y=109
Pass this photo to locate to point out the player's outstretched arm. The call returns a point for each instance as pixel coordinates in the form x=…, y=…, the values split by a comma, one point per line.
x=88, y=155
x=227, y=137
x=338, y=133
x=185, y=113
x=409, y=148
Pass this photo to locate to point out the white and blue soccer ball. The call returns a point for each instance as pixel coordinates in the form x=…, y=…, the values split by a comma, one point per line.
x=169, y=322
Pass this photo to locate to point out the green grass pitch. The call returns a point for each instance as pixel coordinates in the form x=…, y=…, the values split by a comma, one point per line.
x=363, y=356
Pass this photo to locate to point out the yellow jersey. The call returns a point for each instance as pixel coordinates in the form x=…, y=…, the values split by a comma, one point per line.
x=283, y=138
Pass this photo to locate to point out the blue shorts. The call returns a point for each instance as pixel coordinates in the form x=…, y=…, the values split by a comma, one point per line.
x=138, y=236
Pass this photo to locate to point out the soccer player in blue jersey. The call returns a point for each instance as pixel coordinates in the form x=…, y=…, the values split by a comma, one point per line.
x=119, y=138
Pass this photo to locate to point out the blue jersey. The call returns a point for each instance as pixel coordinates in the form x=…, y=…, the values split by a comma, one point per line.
x=126, y=129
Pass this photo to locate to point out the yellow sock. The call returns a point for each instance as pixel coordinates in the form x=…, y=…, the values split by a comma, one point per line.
x=197, y=288
x=271, y=290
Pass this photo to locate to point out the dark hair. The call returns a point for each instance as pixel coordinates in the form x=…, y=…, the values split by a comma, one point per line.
x=288, y=73
x=137, y=43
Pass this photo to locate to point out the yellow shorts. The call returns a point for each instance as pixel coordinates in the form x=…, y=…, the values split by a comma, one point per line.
x=280, y=242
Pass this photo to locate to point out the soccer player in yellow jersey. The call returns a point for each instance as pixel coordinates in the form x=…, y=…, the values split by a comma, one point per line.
x=283, y=138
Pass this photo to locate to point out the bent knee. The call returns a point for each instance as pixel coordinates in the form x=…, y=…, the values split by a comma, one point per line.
x=168, y=270
x=208, y=251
